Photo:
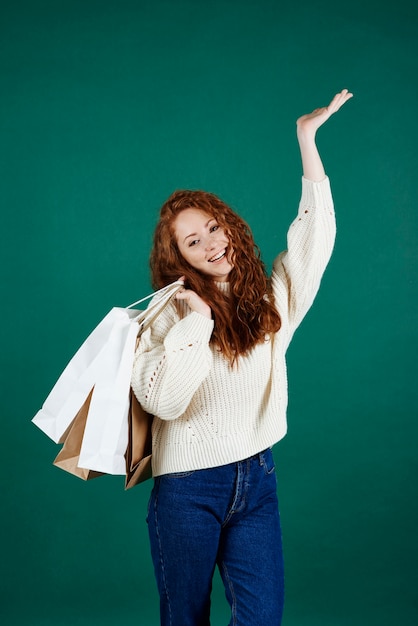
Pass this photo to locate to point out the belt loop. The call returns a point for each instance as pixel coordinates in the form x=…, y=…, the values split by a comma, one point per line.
x=261, y=456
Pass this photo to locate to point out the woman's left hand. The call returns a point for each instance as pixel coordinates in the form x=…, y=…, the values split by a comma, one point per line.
x=308, y=124
x=195, y=302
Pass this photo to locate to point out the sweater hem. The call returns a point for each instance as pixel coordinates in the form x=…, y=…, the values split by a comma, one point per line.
x=214, y=453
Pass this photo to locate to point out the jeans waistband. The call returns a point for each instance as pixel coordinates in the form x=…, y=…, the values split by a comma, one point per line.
x=258, y=456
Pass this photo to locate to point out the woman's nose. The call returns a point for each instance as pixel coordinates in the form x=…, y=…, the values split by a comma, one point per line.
x=210, y=243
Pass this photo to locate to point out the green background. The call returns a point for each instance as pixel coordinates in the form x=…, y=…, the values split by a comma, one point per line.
x=106, y=108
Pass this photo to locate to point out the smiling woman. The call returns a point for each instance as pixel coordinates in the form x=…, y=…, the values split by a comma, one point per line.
x=212, y=371
x=200, y=238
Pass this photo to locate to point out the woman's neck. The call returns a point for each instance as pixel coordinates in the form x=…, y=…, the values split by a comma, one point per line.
x=223, y=286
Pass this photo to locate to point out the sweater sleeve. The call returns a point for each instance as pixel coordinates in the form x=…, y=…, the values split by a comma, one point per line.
x=172, y=359
x=297, y=272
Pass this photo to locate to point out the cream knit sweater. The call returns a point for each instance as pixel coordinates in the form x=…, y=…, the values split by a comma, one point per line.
x=208, y=413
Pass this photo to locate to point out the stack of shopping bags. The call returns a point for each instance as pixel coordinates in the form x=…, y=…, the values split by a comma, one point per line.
x=92, y=410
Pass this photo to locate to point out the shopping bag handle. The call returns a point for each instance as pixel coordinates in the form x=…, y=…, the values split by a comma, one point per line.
x=162, y=291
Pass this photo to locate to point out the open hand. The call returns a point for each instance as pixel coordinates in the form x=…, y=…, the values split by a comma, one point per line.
x=308, y=124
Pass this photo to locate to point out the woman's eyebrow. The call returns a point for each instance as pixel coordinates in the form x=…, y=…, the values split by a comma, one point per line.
x=195, y=234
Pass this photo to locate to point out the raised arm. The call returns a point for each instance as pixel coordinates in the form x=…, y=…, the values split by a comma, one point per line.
x=307, y=125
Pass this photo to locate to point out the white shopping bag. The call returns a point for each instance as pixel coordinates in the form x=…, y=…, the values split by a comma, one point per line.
x=102, y=364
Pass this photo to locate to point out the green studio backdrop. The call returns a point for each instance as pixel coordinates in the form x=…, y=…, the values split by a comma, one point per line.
x=106, y=108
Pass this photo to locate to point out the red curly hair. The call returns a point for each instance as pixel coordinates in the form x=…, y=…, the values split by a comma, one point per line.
x=244, y=315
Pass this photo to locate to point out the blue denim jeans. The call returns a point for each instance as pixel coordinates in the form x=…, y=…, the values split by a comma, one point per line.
x=226, y=516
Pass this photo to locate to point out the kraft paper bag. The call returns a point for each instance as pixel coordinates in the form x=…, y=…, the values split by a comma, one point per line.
x=138, y=452
x=68, y=457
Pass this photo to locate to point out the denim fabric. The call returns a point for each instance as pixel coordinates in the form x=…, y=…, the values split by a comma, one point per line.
x=226, y=516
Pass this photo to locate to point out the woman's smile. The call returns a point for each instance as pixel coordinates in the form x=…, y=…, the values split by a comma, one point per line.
x=218, y=257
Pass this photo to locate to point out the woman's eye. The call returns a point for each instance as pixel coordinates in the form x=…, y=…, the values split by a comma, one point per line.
x=214, y=227
x=193, y=243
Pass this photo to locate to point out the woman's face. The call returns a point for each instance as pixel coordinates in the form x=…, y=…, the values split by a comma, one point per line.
x=203, y=244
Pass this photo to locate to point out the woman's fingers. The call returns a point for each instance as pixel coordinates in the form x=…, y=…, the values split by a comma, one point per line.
x=195, y=302
x=338, y=100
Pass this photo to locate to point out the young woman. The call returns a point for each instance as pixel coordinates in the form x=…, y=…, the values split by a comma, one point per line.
x=212, y=371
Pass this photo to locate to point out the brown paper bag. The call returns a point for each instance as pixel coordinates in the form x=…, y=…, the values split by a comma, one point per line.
x=68, y=457
x=138, y=452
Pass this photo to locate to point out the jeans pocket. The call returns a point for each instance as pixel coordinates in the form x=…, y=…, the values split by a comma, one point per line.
x=267, y=461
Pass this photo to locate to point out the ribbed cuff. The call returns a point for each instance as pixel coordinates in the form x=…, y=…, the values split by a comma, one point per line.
x=316, y=194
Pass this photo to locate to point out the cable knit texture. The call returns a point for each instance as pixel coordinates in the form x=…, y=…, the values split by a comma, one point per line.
x=208, y=413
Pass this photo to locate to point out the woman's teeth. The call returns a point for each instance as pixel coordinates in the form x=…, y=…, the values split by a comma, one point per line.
x=217, y=258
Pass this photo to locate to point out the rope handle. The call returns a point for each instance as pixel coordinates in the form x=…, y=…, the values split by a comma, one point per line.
x=163, y=291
